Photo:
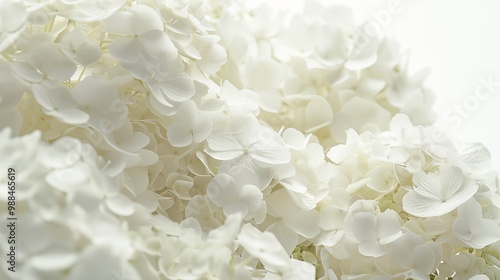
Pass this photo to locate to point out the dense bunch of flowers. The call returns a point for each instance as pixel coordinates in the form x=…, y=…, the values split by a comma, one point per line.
x=191, y=139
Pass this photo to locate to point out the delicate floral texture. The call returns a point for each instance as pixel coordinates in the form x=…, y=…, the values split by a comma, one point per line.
x=252, y=144
x=236, y=191
x=63, y=196
x=374, y=231
x=471, y=228
x=190, y=139
x=189, y=126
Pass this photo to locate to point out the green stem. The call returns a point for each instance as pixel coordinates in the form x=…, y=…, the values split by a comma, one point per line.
x=81, y=74
x=51, y=25
x=7, y=57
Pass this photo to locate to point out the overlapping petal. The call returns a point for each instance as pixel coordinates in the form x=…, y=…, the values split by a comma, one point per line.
x=438, y=193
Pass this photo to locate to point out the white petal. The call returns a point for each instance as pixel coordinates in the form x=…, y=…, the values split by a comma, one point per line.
x=27, y=72
x=236, y=207
x=251, y=196
x=485, y=233
x=398, y=155
x=372, y=248
x=74, y=37
x=427, y=185
x=145, y=19
x=359, y=114
x=227, y=233
x=340, y=198
x=120, y=23
x=61, y=69
x=13, y=16
x=364, y=52
x=270, y=155
x=56, y=101
x=318, y=114
x=305, y=223
x=67, y=179
x=71, y=116
x=222, y=190
x=159, y=42
x=137, y=180
x=401, y=249
x=331, y=238
x=134, y=141
x=295, y=184
x=363, y=226
x=224, y=147
x=91, y=11
x=424, y=259
x=469, y=188
x=340, y=153
x=261, y=214
x=121, y=205
x=399, y=122
x=242, y=175
x=301, y=270
x=269, y=147
x=149, y=201
x=475, y=155
x=370, y=86
x=177, y=87
x=12, y=89
x=96, y=262
x=463, y=229
x=264, y=246
x=88, y=53
x=294, y=138
x=179, y=135
x=470, y=211
x=451, y=180
x=213, y=56
x=55, y=259
x=188, y=113
x=479, y=277
x=263, y=74
x=421, y=206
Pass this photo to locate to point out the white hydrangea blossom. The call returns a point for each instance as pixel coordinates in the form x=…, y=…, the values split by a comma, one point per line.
x=231, y=140
x=62, y=194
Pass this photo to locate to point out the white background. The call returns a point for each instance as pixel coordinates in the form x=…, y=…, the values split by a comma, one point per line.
x=460, y=42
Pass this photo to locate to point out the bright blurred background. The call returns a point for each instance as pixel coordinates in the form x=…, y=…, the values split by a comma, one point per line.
x=459, y=40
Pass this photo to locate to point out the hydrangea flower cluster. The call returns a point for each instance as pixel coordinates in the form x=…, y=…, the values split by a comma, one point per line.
x=191, y=139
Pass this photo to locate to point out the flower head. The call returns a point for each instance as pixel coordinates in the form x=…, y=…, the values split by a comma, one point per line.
x=438, y=193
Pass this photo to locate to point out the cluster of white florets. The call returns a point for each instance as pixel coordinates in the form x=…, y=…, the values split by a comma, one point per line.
x=183, y=139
